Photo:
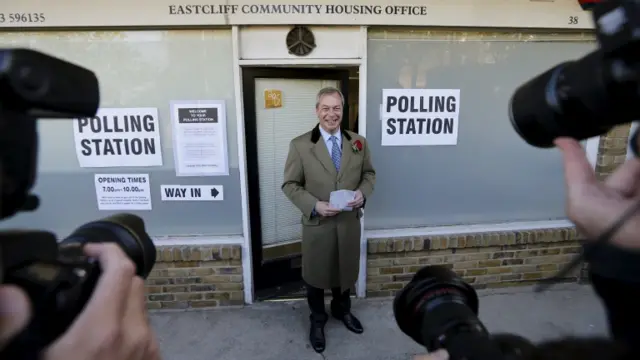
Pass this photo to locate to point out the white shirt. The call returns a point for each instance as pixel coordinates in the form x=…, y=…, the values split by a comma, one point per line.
x=327, y=139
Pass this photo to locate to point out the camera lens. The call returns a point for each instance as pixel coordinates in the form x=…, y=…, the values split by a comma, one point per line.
x=439, y=310
x=126, y=230
x=434, y=303
x=578, y=99
x=534, y=109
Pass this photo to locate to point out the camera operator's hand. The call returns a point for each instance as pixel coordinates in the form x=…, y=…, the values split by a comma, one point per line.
x=113, y=325
x=441, y=354
x=15, y=312
x=595, y=205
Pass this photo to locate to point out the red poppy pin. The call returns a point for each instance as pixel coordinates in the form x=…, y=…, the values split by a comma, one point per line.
x=356, y=146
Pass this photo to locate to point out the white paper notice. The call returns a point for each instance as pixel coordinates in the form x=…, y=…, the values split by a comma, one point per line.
x=123, y=191
x=200, y=138
x=419, y=117
x=340, y=198
x=118, y=137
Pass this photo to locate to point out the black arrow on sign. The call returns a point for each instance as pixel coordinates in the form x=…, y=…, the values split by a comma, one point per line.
x=214, y=192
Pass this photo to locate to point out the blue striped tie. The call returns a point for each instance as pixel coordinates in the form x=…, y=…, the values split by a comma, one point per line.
x=335, y=152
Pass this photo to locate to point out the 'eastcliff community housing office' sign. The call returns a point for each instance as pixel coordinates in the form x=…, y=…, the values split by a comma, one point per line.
x=557, y=14
x=300, y=9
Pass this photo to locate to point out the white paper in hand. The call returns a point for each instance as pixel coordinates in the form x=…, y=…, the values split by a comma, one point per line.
x=340, y=198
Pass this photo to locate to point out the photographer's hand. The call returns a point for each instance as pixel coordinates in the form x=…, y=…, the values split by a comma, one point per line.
x=15, y=312
x=594, y=205
x=114, y=324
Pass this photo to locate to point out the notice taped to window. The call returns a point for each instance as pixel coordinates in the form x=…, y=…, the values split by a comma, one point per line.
x=118, y=137
x=420, y=117
x=200, y=138
x=123, y=191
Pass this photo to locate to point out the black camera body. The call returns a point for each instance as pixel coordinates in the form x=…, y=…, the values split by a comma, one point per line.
x=57, y=277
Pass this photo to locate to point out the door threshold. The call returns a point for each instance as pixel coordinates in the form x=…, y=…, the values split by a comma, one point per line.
x=293, y=290
x=297, y=298
x=285, y=299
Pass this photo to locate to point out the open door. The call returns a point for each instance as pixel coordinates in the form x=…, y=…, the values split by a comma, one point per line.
x=279, y=104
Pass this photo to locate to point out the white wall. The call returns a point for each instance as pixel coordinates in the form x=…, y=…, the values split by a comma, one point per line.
x=268, y=42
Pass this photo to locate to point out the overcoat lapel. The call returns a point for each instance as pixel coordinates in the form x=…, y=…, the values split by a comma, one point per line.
x=347, y=153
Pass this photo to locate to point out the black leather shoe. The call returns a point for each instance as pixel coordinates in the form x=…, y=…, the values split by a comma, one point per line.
x=351, y=322
x=316, y=333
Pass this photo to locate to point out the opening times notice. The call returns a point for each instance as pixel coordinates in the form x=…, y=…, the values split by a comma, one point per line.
x=123, y=191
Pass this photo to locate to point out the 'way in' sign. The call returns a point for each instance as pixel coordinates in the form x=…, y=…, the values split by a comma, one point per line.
x=191, y=192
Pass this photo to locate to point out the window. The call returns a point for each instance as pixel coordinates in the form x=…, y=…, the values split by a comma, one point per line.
x=137, y=69
x=491, y=175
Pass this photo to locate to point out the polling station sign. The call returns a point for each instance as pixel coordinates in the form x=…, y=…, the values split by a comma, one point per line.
x=420, y=117
x=118, y=137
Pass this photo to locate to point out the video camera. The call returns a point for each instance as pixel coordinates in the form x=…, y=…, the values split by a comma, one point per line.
x=57, y=277
x=578, y=99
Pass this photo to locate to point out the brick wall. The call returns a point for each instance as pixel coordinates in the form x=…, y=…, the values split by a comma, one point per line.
x=612, y=152
x=196, y=277
x=485, y=260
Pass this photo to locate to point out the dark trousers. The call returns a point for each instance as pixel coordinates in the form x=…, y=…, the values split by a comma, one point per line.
x=623, y=313
x=340, y=303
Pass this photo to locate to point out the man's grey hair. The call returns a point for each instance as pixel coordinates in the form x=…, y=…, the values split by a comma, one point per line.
x=329, y=90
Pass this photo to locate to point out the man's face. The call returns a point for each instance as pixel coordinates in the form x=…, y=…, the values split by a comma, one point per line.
x=329, y=112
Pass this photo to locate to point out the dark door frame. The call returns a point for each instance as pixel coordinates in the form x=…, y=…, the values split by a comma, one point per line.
x=275, y=273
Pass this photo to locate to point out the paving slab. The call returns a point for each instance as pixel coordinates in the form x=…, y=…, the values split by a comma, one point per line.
x=278, y=330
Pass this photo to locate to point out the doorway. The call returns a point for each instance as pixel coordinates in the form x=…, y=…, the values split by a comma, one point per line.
x=279, y=104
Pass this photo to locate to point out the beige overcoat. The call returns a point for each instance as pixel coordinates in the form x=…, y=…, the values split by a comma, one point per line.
x=330, y=245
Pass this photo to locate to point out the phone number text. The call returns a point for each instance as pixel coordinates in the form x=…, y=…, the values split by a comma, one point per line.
x=22, y=18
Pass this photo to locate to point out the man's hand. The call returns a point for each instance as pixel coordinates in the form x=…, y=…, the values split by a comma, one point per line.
x=441, y=354
x=358, y=200
x=595, y=205
x=15, y=312
x=113, y=325
x=323, y=208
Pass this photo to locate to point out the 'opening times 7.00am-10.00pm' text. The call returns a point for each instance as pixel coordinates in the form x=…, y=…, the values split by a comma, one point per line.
x=22, y=18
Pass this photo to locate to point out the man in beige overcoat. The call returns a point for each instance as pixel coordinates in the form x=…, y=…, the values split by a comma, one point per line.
x=321, y=161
